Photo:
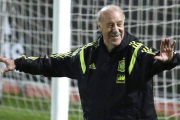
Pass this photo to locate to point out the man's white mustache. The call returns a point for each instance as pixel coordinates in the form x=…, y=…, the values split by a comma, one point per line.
x=115, y=34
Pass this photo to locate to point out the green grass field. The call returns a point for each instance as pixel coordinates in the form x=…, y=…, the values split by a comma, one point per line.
x=13, y=109
x=7, y=113
x=13, y=114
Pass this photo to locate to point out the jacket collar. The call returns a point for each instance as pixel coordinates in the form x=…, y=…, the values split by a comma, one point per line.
x=124, y=43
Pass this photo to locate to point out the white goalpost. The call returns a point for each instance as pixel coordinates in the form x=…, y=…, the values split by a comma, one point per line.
x=61, y=44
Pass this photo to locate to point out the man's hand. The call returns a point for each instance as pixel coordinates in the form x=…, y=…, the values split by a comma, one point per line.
x=166, y=50
x=10, y=65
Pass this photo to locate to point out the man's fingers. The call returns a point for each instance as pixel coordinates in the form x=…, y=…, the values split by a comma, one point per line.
x=173, y=44
x=169, y=43
x=166, y=43
x=2, y=59
x=4, y=70
x=158, y=58
x=162, y=45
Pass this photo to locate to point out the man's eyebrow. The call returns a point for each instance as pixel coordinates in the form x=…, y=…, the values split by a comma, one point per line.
x=121, y=21
x=109, y=23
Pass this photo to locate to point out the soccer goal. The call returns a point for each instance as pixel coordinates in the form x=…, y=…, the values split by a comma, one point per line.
x=26, y=28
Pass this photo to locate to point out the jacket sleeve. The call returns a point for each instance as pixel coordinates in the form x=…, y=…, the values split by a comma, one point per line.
x=55, y=65
x=150, y=66
x=159, y=66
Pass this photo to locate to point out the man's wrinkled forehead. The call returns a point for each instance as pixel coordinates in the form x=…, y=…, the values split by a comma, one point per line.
x=109, y=10
x=107, y=14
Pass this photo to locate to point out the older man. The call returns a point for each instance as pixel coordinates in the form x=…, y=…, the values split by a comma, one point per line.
x=114, y=73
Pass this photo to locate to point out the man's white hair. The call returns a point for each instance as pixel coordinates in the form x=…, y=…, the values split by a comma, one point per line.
x=108, y=8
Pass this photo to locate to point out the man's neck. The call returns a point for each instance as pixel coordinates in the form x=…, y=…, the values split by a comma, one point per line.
x=110, y=49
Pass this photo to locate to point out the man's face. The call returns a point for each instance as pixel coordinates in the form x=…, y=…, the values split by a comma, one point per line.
x=112, y=28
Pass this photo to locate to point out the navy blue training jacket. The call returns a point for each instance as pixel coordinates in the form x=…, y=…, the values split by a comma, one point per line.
x=112, y=86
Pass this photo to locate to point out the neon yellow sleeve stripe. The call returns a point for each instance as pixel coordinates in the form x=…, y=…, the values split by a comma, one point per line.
x=83, y=66
x=133, y=58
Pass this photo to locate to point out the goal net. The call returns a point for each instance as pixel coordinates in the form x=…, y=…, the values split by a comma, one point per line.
x=26, y=28
x=151, y=21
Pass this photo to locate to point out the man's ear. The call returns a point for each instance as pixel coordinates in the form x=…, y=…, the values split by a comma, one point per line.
x=99, y=27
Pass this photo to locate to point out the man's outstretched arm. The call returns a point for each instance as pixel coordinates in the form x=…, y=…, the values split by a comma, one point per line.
x=55, y=65
x=10, y=65
x=154, y=62
x=167, y=58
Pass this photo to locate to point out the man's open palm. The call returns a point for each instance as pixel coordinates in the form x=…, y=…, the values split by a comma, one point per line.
x=10, y=65
x=166, y=50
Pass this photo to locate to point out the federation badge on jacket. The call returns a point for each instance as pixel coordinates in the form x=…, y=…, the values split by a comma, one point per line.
x=121, y=65
x=121, y=72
